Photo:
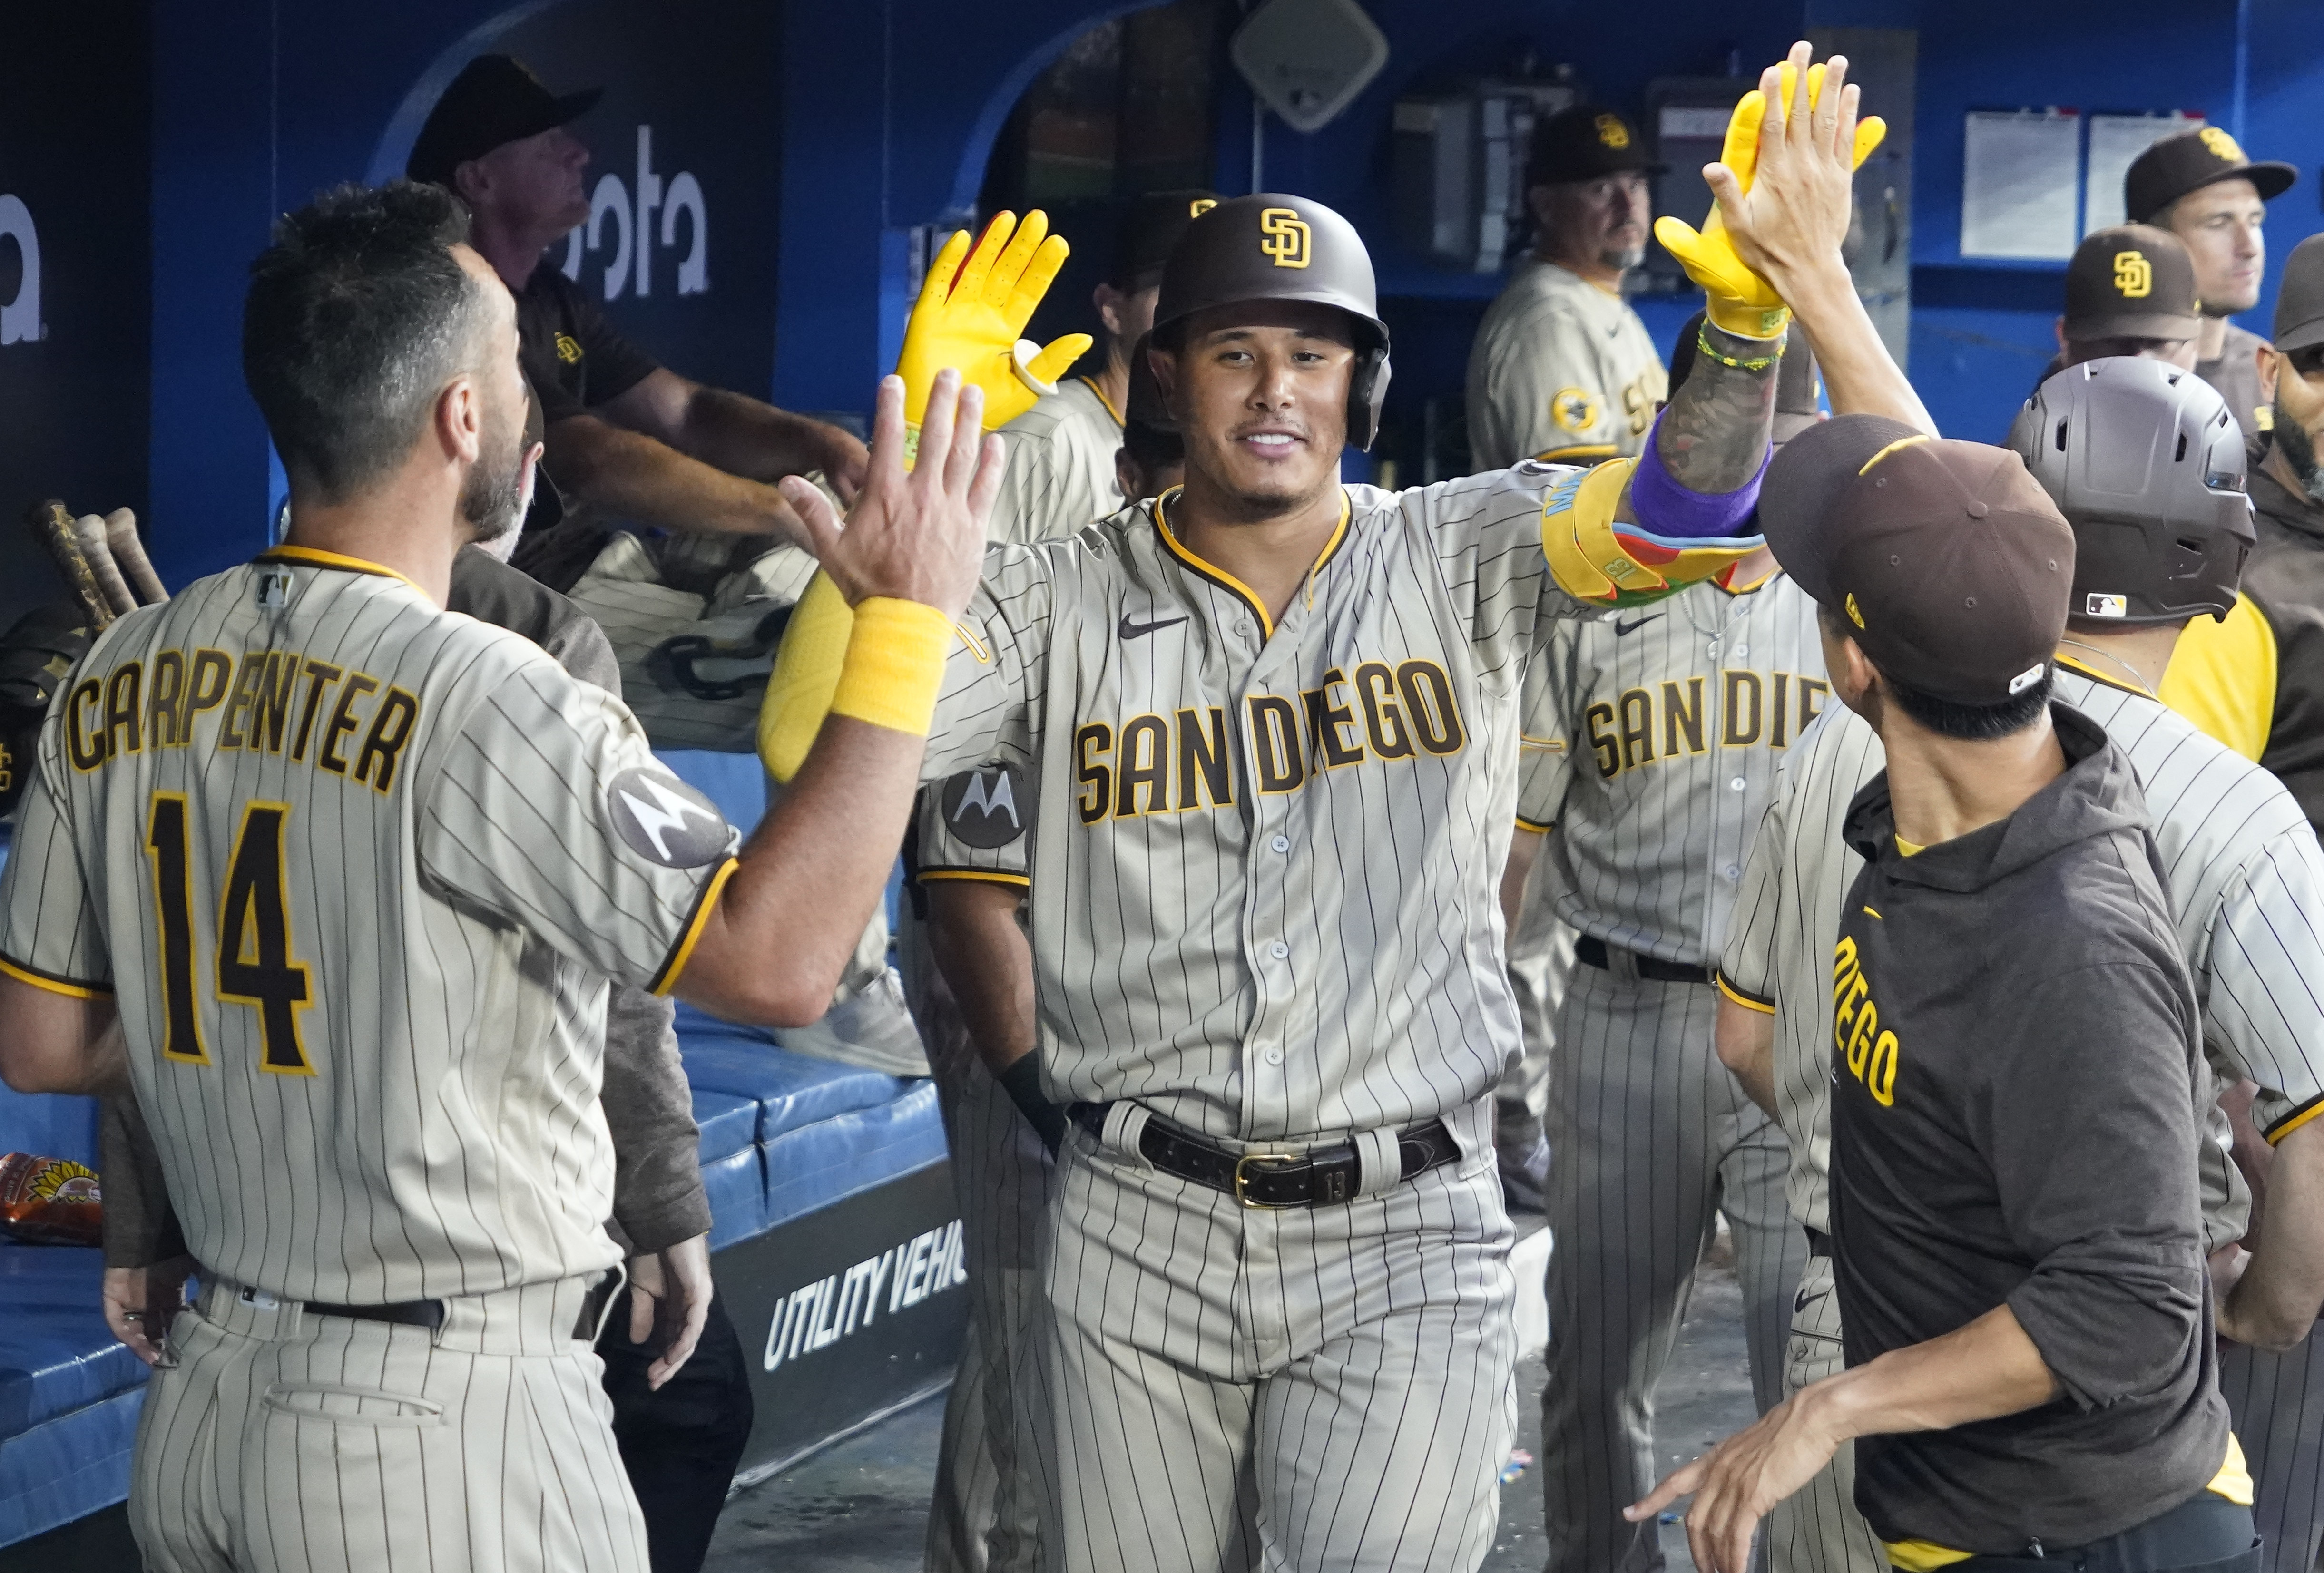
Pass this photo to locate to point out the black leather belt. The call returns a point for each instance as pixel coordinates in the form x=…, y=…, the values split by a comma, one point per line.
x=429, y=1314
x=1320, y=1177
x=1818, y=1244
x=1590, y=951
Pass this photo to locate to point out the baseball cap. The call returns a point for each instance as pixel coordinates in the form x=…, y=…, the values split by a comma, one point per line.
x=2131, y=281
x=1583, y=143
x=2300, y=298
x=1149, y=229
x=495, y=100
x=1946, y=560
x=2187, y=161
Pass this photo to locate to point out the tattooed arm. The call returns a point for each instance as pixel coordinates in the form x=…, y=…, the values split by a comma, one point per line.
x=1714, y=436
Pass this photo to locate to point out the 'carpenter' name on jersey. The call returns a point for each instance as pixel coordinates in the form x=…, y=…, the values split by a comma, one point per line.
x=275, y=701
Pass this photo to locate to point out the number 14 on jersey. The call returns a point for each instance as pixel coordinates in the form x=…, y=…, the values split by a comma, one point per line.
x=253, y=965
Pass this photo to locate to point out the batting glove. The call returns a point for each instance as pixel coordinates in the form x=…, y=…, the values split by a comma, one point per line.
x=971, y=312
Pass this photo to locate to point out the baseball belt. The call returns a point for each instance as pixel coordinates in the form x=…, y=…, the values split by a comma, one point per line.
x=1591, y=952
x=1819, y=1243
x=2206, y=1533
x=1275, y=1181
x=429, y=1314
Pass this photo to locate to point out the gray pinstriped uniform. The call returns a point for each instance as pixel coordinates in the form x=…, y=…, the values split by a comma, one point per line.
x=356, y=868
x=2247, y=889
x=1652, y=739
x=1263, y=907
x=1060, y=465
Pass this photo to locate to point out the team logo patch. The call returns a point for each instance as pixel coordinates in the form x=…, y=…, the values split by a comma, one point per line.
x=2097, y=605
x=2221, y=145
x=664, y=820
x=1574, y=409
x=2133, y=275
x=1854, y=615
x=1200, y=206
x=1611, y=132
x=568, y=348
x=1285, y=237
x=982, y=806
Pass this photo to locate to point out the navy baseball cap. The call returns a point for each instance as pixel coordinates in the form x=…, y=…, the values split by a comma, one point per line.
x=493, y=101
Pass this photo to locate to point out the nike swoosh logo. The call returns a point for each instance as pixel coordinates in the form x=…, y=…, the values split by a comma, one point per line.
x=1633, y=626
x=1130, y=630
x=1803, y=1300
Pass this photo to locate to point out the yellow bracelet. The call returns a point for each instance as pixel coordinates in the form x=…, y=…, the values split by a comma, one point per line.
x=1745, y=320
x=895, y=664
x=1709, y=350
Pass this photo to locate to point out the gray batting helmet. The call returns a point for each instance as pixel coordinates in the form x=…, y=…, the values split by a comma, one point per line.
x=2146, y=462
x=1272, y=247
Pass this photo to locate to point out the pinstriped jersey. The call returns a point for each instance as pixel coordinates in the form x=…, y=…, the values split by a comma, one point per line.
x=1265, y=856
x=1651, y=736
x=2247, y=889
x=1561, y=370
x=357, y=869
x=1060, y=471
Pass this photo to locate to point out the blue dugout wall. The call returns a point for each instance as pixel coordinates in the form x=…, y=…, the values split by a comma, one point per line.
x=822, y=133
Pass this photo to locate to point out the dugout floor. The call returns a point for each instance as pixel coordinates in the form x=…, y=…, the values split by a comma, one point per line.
x=862, y=1506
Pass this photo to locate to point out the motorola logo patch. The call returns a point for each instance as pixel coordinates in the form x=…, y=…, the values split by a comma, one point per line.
x=982, y=806
x=664, y=820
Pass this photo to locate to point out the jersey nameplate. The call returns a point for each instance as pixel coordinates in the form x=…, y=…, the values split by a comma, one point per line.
x=276, y=700
x=1771, y=708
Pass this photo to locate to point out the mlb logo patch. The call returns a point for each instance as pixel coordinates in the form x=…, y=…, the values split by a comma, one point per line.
x=2097, y=605
x=275, y=589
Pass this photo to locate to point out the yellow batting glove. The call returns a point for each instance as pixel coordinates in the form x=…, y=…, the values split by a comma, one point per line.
x=1738, y=300
x=805, y=677
x=971, y=308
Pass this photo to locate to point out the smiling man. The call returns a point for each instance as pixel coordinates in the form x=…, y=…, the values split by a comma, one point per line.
x=1272, y=720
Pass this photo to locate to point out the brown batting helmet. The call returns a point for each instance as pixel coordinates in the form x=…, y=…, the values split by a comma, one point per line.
x=1270, y=246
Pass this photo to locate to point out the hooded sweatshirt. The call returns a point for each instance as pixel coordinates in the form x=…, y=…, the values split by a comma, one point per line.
x=2017, y=1076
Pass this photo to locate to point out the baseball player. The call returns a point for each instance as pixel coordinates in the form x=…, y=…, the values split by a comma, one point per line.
x=1061, y=452
x=2130, y=290
x=2016, y=1241
x=2246, y=884
x=968, y=969
x=1563, y=369
x=674, y=1367
x=348, y=873
x=2198, y=185
x=1269, y=725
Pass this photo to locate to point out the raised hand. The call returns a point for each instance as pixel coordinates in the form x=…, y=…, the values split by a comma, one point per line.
x=917, y=534
x=1792, y=145
x=971, y=313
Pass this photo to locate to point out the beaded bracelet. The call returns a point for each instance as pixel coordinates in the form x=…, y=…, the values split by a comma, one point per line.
x=1703, y=345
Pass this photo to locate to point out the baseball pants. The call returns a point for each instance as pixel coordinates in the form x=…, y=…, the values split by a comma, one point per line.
x=280, y=1442
x=1327, y=1388
x=2278, y=1404
x=1652, y=1139
x=1817, y=1529
x=680, y=1442
x=984, y=1516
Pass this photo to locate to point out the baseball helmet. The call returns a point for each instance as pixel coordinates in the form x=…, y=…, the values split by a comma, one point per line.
x=2146, y=462
x=1270, y=246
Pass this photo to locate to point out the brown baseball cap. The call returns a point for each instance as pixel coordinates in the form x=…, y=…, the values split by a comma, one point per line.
x=2132, y=281
x=2188, y=160
x=495, y=100
x=1150, y=226
x=2300, y=298
x=1946, y=560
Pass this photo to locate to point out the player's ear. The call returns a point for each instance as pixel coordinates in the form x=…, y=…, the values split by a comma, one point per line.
x=1108, y=301
x=1540, y=201
x=1126, y=475
x=2271, y=360
x=460, y=419
x=1164, y=364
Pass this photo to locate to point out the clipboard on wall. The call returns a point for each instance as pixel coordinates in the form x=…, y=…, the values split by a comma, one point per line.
x=2021, y=184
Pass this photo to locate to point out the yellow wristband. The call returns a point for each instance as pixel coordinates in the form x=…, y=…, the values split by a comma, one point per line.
x=895, y=664
x=1745, y=320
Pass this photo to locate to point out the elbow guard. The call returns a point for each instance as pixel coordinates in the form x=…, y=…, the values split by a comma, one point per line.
x=1681, y=537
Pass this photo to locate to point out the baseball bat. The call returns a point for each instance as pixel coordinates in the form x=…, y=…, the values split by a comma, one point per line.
x=89, y=533
x=129, y=554
x=51, y=524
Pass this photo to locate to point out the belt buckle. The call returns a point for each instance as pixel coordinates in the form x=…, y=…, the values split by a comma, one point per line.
x=1242, y=1180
